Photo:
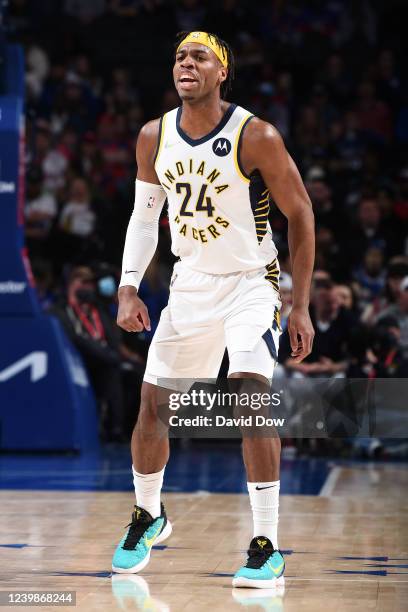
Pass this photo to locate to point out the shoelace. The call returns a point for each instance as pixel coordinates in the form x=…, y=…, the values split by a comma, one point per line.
x=136, y=530
x=257, y=557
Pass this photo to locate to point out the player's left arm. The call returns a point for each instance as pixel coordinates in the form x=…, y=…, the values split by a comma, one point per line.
x=263, y=149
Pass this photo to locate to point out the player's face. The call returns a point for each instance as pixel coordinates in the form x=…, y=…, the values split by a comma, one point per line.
x=197, y=71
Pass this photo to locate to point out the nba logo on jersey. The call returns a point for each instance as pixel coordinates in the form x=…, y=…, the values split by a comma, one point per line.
x=150, y=202
x=221, y=147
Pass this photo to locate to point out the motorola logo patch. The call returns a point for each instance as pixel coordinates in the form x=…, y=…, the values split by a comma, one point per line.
x=221, y=147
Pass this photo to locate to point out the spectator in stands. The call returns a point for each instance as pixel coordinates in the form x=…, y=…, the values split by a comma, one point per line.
x=77, y=217
x=37, y=69
x=397, y=270
x=399, y=311
x=115, y=151
x=98, y=340
x=370, y=277
x=320, y=275
x=333, y=326
x=40, y=212
x=79, y=238
x=327, y=250
x=390, y=359
x=321, y=196
x=90, y=163
x=346, y=297
x=337, y=79
x=373, y=114
x=52, y=162
x=367, y=231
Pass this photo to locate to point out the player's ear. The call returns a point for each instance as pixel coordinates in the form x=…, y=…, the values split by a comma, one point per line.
x=223, y=74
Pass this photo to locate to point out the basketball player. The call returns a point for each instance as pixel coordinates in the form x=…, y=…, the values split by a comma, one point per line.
x=216, y=164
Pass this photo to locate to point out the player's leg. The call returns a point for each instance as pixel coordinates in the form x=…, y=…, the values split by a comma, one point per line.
x=150, y=443
x=150, y=453
x=251, y=373
x=252, y=333
x=179, y=353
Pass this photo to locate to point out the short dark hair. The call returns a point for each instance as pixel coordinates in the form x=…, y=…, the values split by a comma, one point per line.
x=226, y=85
x=80, y=272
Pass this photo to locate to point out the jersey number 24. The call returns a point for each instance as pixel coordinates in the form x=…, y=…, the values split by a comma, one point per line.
x=200, y=206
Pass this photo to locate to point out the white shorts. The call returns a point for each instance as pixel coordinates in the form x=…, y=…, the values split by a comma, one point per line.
x=207, y=313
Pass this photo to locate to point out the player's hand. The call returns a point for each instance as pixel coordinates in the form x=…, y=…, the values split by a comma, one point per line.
x=301, y=333
x=132, y=313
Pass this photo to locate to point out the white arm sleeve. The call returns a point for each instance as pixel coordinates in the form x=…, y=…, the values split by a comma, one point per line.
x=142, y=232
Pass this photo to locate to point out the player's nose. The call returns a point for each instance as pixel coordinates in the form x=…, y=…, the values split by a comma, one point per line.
x=187, y=62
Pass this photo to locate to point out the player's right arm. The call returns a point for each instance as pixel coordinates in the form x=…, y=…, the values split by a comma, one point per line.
x=142, y=233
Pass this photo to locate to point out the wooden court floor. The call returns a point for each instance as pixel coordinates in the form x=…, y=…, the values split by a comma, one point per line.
x=346, y=549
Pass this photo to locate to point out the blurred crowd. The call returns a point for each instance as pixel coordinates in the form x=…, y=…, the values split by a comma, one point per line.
x=328, y=74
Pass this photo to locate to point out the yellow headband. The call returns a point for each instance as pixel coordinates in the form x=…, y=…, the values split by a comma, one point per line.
x=208, y=41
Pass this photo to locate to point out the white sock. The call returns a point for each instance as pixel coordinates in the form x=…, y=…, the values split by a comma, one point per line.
x=147, y=490
x=265, y=509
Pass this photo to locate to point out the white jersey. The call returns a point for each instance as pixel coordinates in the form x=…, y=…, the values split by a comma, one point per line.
x=218, y=215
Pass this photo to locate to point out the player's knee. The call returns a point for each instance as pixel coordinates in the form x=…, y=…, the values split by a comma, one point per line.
x=249, y=389
x=153, y=420
x=148, y=404
x=253, y=404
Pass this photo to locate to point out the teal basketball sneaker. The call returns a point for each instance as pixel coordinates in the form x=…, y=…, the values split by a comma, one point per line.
x=133, y=551
x=264, y=568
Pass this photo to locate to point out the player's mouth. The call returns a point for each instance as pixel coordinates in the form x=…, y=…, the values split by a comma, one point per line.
x=187, y=81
